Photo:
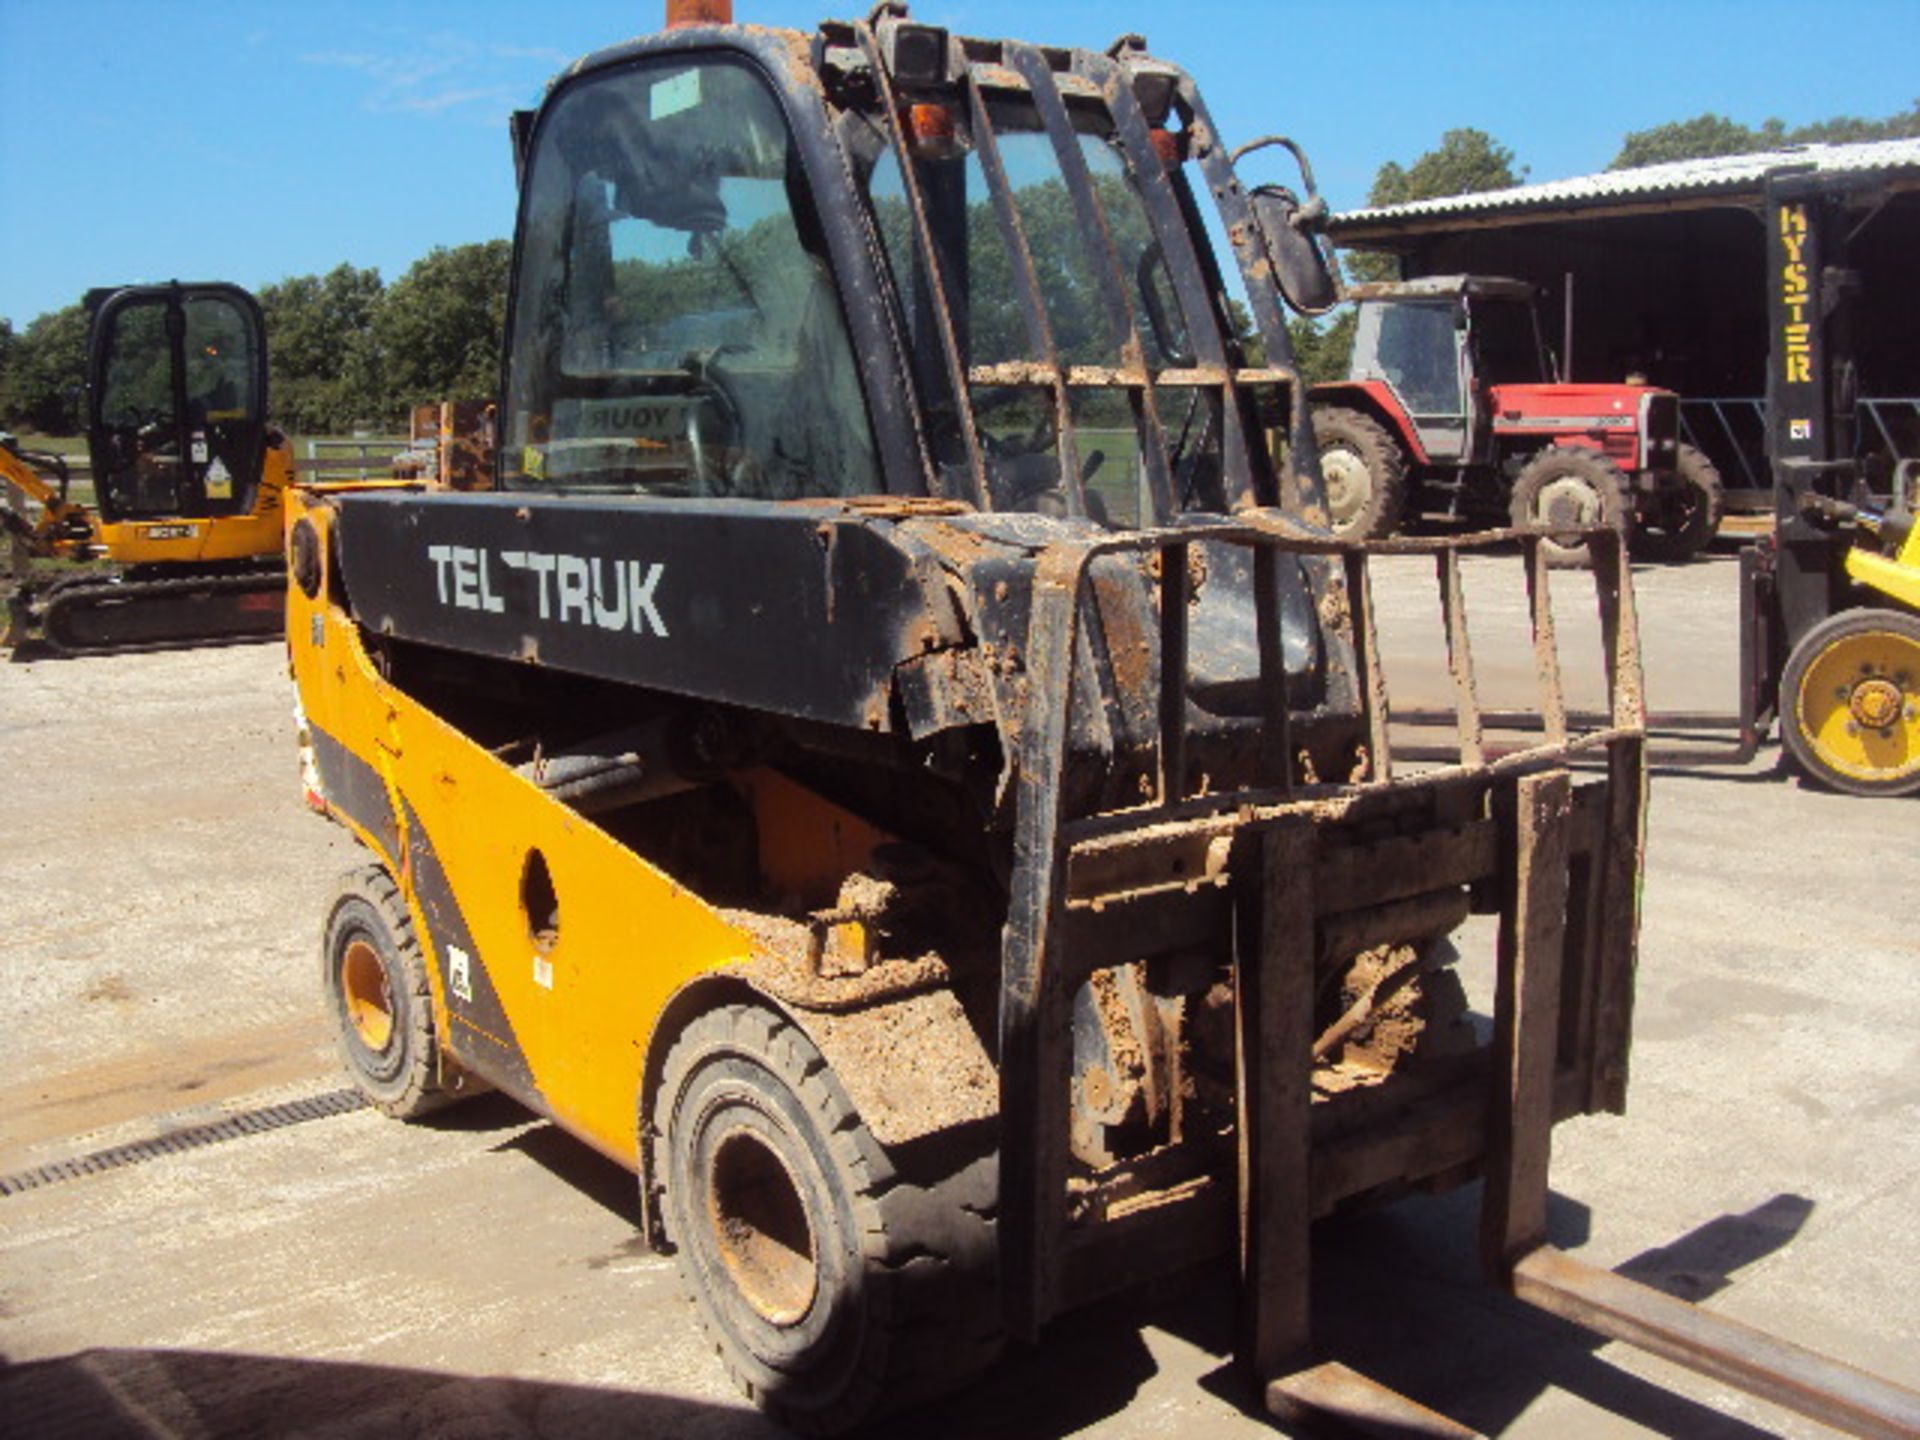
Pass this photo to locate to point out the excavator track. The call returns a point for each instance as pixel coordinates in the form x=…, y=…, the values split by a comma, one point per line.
x=116, y=614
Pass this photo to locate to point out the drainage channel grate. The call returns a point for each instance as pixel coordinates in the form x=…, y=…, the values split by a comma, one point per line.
x=233, y=1127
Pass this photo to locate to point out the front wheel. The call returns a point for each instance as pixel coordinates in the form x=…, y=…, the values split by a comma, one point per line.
x=1364, y=471
x=1567, y=487
x=1683, y=517
x=834, y=1286
x=1850, y=702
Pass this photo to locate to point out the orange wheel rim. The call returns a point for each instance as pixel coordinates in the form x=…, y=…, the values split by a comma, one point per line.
x=761, y=1228
x=368, y=993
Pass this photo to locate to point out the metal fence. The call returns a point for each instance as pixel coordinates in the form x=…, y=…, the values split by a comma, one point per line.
x=357, y=457
x=1733, y=434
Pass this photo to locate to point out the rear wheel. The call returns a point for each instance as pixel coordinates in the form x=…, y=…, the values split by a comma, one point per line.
x=1569, y=487
x=1850, y=702
x=834, y=1285
x=376, y=986
x=1681, y=520
x=1365, y=473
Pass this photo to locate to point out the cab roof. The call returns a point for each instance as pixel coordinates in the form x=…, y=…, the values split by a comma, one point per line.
x=1444, y=287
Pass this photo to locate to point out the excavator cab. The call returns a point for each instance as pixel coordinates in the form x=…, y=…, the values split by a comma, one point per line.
x=188, y=479
x=176, y=379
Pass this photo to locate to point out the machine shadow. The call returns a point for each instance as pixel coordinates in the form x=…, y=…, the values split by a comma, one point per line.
x=141, y=1394
x=593, y=1175
x=1399, y=1296
x=610, y=1186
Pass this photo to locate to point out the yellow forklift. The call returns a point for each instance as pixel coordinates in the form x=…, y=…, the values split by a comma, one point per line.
x=1832, y=602
x=891, y=761
x=182, y=544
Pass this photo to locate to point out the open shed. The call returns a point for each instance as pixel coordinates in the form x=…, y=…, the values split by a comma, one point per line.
x=1667, y=268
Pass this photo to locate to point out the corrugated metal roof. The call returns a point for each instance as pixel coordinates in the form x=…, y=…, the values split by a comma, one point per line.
x=1653, y=182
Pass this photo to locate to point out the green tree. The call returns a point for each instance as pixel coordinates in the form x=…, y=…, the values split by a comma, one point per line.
x=41, y=388
x=1843, y=129
x=7, y=338
x=1704, y=135
x=1710, y=134
x=436, y=334
x=1464, y=162
x=321, y=372
x=1323, y=348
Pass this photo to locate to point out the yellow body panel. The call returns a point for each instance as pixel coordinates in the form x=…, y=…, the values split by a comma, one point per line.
x=204, y=539
x=584, y=1008
x=175, y=540
x=1896, y=576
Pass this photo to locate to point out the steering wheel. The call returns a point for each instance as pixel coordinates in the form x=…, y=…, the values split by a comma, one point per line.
x=713, y=429
x=990, y=398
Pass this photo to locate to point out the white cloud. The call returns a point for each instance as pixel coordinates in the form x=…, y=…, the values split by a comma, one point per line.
x=445, y=75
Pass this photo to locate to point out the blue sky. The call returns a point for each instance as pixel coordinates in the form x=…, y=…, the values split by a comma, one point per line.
x=153, y=139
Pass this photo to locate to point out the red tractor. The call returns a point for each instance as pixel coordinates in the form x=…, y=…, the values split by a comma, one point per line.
x=1451, y=407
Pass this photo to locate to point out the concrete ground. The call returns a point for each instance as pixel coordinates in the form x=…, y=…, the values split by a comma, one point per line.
x=480, y=1276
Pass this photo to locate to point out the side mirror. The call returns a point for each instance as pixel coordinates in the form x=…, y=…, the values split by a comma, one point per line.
x=520, y=130
x=1291, y=229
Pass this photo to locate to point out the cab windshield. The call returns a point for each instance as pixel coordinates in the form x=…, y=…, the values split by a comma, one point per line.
x=176, y=425
x=676, y=329
x=1414, y=346
x=1015, y=412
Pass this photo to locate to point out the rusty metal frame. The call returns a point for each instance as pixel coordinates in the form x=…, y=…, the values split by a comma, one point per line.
x=1566, y=946
x=949, y=340
x=1007, y=66
x=1039, y=976
x=1215, y=162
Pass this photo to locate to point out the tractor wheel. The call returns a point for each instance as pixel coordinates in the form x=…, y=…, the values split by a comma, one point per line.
x=1850, y=702
x=834, y=1286
x=376, y=984
x=1569, y=486
x=1683, y=518
x=1365, y=472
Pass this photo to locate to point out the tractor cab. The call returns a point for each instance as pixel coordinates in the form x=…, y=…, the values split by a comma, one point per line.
x=1440, y=344
x=176, y=385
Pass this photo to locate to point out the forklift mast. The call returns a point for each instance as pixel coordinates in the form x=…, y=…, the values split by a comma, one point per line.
x=1812, y=384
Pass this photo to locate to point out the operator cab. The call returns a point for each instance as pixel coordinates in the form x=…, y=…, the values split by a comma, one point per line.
x=1440, y=342
x=176, y=384
x=676, y=328
x=961, y=288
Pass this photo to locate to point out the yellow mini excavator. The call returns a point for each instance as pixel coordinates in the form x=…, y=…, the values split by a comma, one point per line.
x=188, y=482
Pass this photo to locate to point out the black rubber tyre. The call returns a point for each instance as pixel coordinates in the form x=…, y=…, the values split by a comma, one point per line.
x=376, y=987
x=1569, y=485
x=1847, y=673
x=1680, y=522
x=834, y=1286
x=1365, y=472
